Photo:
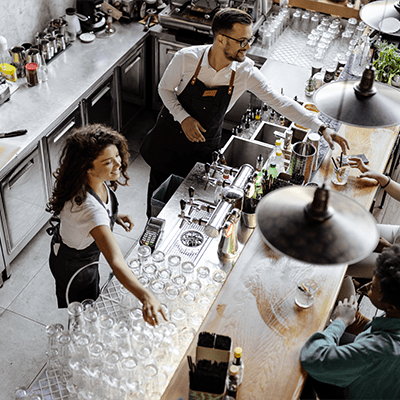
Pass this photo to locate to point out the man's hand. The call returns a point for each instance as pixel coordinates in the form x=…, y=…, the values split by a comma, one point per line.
x=192, y=129
x=331, y=136
x=346, y=311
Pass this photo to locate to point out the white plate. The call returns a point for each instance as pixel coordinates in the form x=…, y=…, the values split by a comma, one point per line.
x=87, y=37
x=389, y=25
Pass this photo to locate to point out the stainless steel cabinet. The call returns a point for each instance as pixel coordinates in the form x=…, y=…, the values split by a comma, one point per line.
x=164, y=52
x=54, y=141
x=23, y=201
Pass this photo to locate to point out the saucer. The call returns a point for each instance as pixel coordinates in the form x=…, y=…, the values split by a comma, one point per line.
x=87, y=37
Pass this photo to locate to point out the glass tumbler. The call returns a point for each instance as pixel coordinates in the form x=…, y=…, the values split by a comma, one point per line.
x=174, y=264
x=340, y=175
x=144, y=254
x=187, y=269
x=158, y=258
x=305, y=293
x=135, y=266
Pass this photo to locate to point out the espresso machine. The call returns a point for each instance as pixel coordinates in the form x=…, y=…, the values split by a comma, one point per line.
x=91, y=9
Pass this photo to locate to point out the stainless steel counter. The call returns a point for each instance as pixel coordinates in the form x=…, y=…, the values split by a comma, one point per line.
x=71, y=76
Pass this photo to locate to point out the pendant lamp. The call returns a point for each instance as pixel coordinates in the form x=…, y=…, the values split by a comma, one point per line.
x=316, y=226
x=383, y=16
x=364, y=103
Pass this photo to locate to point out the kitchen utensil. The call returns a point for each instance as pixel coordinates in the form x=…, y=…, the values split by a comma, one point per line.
x=150, y=13
x=61, y=45
x=18, y=60
x=33, y=55
x=13, y=133
x=45, y=48
x=302, y=159
x=87, y=37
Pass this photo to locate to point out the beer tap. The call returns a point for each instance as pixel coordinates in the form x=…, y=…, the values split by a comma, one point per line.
x=182, y=214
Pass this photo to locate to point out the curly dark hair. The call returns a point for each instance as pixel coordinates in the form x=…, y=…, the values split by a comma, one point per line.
x=80, y=149
x=387, y=270
x=225, y=18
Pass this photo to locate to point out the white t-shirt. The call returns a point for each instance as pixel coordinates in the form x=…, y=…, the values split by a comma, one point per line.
x=248, y=77
x=78, y=221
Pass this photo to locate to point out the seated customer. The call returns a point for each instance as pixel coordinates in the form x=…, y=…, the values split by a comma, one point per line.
x=368, y=368
x=389, y=234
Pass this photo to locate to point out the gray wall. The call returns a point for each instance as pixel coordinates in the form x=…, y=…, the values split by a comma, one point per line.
x=21, y=19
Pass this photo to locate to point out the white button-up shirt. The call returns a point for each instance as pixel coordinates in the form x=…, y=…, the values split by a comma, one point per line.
x=183, y=66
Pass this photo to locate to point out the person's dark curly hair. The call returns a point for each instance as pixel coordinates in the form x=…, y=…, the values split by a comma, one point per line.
x=225, y=18
x=387, y=270
x=80, y=149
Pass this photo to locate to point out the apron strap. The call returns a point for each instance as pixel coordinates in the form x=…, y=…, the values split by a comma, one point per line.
x=196, y=73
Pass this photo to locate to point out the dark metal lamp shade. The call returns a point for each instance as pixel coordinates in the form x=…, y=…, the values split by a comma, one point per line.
x=364, y=103
x=316, y=226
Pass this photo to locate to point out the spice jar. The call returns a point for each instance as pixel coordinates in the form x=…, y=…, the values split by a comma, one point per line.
x=32, y=74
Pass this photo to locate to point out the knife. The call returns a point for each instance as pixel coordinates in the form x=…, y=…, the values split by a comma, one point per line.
x=13, y=133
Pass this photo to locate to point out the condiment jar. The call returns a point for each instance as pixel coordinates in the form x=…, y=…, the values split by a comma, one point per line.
x=31, y=74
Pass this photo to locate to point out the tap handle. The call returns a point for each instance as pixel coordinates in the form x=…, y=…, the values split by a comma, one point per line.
x=182, y=204
x=207, y=168
x=215, y=156
x=222, y=159
x=191, y=192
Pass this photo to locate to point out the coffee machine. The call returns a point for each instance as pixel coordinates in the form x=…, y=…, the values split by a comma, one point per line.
x=91, y=9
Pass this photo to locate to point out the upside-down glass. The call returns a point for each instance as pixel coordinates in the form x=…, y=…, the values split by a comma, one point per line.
x=144, y=254
x=135, y=266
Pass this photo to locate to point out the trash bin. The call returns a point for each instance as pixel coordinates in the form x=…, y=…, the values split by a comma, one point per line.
x=163, y=193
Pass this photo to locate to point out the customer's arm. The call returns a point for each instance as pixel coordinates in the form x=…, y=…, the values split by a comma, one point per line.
x=328, y=362
x=391, y=187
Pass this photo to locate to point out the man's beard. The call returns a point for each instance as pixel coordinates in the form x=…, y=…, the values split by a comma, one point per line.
x=238, y=56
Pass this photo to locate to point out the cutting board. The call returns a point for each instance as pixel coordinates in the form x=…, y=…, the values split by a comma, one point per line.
x=6, y=152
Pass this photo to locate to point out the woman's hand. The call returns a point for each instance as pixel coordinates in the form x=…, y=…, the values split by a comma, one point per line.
x=346, y=310
x=366, y=172
x=151, y=310
x=125, y=221
x=331, y=136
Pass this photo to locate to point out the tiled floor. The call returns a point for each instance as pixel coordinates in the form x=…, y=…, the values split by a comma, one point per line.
x=27, y=300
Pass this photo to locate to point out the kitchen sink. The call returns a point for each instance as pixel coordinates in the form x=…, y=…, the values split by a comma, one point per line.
x=239, y=151
x=268, y=133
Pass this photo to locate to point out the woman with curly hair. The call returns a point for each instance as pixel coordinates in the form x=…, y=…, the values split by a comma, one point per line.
x=93, y=162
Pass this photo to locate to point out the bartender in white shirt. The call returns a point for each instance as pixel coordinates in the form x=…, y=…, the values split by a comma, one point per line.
x=199, y=86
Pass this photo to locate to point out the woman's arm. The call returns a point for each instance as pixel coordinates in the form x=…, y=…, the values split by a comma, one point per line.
x=391, y=187
x=109, y=247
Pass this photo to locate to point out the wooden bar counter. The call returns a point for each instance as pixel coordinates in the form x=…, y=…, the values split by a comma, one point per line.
x=255, y=307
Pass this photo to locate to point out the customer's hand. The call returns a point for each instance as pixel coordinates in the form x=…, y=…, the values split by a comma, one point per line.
x=193, y=130
x=151, y=310
x=366, y=172
x=346, y=310
x=382, y=245
x=331, y=136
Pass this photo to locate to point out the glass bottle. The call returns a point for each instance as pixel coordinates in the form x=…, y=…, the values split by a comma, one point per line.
x=272, y=171
x=232, y=383
x=239, y=363
x=64, y=355
x=75, y=318
x=280, y=166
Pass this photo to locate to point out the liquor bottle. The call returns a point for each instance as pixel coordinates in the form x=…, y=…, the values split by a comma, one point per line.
x=239, y=363
x=280, y=166
x=272, y=171
x=232, y=383
x=258, y=181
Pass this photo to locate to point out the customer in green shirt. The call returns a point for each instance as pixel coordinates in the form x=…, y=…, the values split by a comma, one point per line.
x=369, y=367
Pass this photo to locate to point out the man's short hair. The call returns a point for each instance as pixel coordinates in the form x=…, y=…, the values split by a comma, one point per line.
x=387, y=271
x=225, y=18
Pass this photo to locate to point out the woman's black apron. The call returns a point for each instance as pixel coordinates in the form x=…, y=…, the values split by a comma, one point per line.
x=167, y=149
x=68, y=260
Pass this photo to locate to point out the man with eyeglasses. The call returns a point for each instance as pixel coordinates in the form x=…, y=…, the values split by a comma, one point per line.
x=200, y=85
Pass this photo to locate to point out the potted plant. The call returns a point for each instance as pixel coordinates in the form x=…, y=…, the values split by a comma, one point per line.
x=387, y=64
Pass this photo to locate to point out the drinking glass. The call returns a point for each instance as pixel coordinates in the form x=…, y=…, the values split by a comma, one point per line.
x=194, y=286
x=174, y=263
x=196, y=319
x=310, y=86
x=340, y=175
x=149, y=379
x=122, y=339
x=150, y=270
x=107, y=323
x=144, y=254
x=75, y=318
x=179, y=281
x=187, y=270
x=186, y=335
x=143, y=353
x=158, y=258
x=204, y=302
x=172, y=292
x=178, y=315
x=305, y=292
x=127, y=299
x=91, y=318
x=158, y=288
x=203, y=273
x=219, y=277
x=144, y=280
x=211, y=291
x=135, y=266
x=164, y=274
x=188, y=300
x=20, y=393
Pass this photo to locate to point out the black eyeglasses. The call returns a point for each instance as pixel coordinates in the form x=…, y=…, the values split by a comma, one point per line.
x=242, y=43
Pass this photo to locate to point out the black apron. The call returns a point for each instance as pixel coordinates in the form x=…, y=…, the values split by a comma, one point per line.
x=167, y=149
x=69, y=260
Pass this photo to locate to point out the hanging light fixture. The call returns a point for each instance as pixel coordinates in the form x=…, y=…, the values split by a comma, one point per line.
x=317, y=226
x=383, y=16
x=364, y=103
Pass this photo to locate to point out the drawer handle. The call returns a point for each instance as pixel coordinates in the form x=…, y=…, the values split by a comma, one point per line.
x=21, y=173
x=130, y=66
x=66, y=129
x=101, y=94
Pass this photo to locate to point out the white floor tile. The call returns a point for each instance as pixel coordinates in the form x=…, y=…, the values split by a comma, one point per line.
x=22, y=344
